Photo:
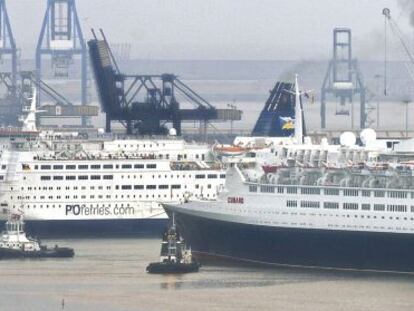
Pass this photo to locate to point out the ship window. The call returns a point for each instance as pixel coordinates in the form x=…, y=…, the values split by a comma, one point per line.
x=212, y=176
x=44, y=177
x=223, y=176
x=252, y=188
x=379, y=207
x=331, y=205
x=82, y=177
x=108, y=166
x=163, y=187
x=138, y=165
x=331, y=191
x=126, y=166
x=397, y=194
x=82, y=167
x=1, y=177
x=292, y=190
x=310, y=191
x=126, y=187
x=365, y=207
x=268, y=189
x=151, y=187
x=309, y=204
x=96, y=166
x=366, y=193
x=70, y=167
x=280, y=189
x=379, y=194
x=396, y=208
x=350, y=206
x=291, y=203
x=137, y=187
x=70, y=177
x=199, y=176
x=58, y=167
x=108, y=177
x=3, y=167
x=57, y=177
x=95, y=177
x=45, y=167
x=350, y=193
x=151, y=165
x=175, y=186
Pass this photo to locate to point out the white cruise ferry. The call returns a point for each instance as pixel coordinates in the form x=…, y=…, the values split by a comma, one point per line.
x=96, y=185
x=361, y=217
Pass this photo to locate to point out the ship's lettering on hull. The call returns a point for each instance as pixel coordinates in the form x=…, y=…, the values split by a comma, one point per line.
x=83, y=210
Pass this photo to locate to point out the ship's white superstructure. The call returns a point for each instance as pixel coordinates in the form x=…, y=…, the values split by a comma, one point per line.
x=363, y=199
x=97, y=179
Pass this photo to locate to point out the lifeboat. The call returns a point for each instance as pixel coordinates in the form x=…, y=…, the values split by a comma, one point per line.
x=229, y=150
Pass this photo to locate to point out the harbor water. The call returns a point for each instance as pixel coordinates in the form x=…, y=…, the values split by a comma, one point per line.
x=108, y=275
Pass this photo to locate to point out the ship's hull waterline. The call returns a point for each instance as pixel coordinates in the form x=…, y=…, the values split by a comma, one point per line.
x=356, y=250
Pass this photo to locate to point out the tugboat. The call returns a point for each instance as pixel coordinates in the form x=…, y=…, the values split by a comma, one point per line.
x=175, y=256
x=14, y=243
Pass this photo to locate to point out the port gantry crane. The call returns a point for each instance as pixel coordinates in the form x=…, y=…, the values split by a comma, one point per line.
x=145, y=103
x=61, y=40
x=409, y=66
x=9, y=108
x=399, y=34
x=343, y=79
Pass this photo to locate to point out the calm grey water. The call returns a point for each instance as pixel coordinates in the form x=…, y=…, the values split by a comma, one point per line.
x=109, y=275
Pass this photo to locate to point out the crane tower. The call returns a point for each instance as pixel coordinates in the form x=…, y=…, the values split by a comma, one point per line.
x=343, y=78
x=61, y=39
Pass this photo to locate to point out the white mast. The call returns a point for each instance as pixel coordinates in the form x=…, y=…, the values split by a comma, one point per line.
x=298, y=114
x=29, y=123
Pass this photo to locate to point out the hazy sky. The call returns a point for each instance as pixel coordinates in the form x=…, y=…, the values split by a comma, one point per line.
x=222, y=29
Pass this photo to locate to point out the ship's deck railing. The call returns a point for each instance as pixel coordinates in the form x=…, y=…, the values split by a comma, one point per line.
x=258, y=184
x=56, y=137
x=99, y=157
x=194, y=166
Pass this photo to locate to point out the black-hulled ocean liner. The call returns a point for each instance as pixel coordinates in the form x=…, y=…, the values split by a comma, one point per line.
x=352, y=218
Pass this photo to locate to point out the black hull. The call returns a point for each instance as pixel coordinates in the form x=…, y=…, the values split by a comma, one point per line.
x=297, y=247
x=169, y=267
x=94, y=228
x=59, y=252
